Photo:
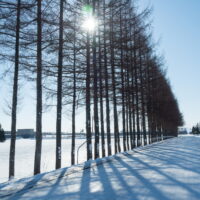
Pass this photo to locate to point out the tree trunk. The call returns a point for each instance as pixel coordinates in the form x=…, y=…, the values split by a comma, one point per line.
x=122, y=82
x=74, y=102
x=59, y=90
x=96, y=115
x=88, y=111
x=106, y=85
x=15, y=95
x=116, y=127
x=137, y=100
x=39, y=91
x=142, y=94
x=101, y=91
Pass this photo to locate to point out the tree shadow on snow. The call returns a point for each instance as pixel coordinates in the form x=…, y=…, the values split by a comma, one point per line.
x=168, y=178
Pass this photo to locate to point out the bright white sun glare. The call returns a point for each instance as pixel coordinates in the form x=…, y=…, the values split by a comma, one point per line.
x=90, y=24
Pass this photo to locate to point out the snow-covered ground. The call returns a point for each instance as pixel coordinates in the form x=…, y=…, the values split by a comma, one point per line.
x=25, y=150
x=163, y=171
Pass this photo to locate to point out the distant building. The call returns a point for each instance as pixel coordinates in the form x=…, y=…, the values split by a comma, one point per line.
x=26, y=133
x=30, y=133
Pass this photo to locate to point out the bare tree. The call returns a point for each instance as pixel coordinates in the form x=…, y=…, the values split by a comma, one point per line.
x=38, y=149
x=15, y=95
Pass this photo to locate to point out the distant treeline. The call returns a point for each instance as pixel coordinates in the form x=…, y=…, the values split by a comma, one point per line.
x=2, y=135
x=196, y=129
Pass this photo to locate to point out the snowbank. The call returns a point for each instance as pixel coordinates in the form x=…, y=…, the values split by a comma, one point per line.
x=166, y=170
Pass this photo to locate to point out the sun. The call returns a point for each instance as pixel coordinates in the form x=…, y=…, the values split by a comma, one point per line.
x=90, y=24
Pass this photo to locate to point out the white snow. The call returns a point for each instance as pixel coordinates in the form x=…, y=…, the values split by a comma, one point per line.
x=166, y=170
x=25, y=150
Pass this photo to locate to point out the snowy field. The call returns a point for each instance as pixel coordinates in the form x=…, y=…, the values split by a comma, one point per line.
x=168, y=170
x=25, y=150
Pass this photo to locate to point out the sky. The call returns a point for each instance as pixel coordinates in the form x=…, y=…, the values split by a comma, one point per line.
x=176, y=25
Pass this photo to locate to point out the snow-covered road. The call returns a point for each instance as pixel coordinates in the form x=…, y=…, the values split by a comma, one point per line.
x=166, y=170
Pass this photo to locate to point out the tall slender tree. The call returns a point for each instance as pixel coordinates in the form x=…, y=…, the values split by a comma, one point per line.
x=106, y=81
x=74, y=98
x=15, y=95
x=38, y=149
x=88, y=95
x=101, y=89
x=59, y=88
x=96, y=110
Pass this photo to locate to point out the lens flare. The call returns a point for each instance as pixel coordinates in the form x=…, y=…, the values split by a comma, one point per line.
x=89, y=24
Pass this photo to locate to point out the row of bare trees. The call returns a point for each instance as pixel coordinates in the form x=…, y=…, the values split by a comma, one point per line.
x=112, y=71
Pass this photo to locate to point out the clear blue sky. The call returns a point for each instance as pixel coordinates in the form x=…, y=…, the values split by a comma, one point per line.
x=176, y=23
